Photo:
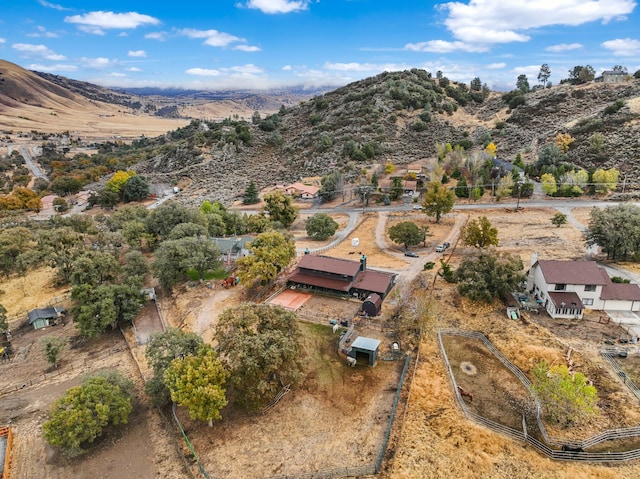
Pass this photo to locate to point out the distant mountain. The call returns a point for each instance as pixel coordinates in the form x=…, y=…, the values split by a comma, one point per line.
x=398, y=117
x=402, y=117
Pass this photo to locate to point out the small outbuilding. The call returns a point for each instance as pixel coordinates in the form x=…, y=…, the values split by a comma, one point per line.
x=365, y=347
x=372, y=305
x=41, y=318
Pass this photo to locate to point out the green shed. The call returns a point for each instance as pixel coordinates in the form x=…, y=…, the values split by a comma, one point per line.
x=41, y=318
x=365, y=348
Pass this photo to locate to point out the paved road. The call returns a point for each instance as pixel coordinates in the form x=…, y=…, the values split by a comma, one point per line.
x=28, y=159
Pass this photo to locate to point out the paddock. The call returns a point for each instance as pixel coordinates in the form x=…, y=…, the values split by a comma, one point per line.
x=290, y=299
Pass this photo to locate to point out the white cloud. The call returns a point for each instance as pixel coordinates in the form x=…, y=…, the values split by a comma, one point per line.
x=96, y=22
x=287, y=68
x=52, y=5
x=213, y=38
x=499, y=21
x=41, y=51
x=564, y=47
x=42, y=32
x=248, y=68
x=623, y=47
x=2, y=40
x=247, y=48
x=202, y=72
x=496, y=66
x=160, y=36
x=137, y=53
x=99, y=62
x=52, y=68
x=134, y=69
x=442, y=46
x=278, y=6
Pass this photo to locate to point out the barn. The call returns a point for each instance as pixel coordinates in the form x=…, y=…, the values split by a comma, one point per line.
x=365, y=347
x=372, y=305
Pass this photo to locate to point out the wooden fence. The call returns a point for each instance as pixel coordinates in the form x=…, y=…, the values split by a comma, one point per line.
x=576, y=453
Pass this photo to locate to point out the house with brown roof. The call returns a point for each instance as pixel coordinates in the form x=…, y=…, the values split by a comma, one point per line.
x=303, y=191
x=567, y=288
x=341, y=276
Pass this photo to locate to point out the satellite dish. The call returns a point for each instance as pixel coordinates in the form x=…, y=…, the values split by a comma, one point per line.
x=355, y=242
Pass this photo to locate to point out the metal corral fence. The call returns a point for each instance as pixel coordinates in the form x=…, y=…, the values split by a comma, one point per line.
x=6, y=435
x=186, y=438
x=573, y=451
x=609, y=355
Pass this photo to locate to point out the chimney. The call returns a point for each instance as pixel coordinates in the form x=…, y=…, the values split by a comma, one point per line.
x=306, y=251
x=363, y=263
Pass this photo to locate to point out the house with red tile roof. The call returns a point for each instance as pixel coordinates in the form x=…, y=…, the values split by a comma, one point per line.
x=566, y=288
x=302, y=190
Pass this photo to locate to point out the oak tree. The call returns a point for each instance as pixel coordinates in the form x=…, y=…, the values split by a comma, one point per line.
x=479, y=233
x=197, y=383
x=438, y=200
x=321, y=226
x=407, y=233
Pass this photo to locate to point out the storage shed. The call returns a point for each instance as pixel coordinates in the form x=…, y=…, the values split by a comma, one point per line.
x=41, y=318
x=372, y=305
x=365, y=347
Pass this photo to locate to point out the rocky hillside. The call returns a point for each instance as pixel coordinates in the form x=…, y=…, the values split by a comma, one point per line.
x=398, y=117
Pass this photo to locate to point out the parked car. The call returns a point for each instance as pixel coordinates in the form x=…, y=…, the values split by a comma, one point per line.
x=417, y=207
x=411, y=254
x=446, y=244
x=440, y=248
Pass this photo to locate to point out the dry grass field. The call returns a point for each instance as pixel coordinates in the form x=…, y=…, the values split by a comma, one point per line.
x=434, y=438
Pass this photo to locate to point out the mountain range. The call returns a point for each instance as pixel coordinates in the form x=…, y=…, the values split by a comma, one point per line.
x=394, y=117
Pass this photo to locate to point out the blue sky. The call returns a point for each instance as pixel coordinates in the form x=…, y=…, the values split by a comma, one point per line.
x=262, y=44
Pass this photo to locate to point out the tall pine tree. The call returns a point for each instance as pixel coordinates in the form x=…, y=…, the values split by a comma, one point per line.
x=251, y=194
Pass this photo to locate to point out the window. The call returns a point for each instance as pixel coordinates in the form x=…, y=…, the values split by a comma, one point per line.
x=560, y=287
x=587, y=301
x=590, y=287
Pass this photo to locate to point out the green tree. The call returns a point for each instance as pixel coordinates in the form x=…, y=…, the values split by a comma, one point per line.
x=60, y=205
x=82, y=414
x=260, y=347
x=280, y=208
x=197, y=383
x=462, y=189
x=567, y=397
x=545, y=73
x=162, y=349
x=170, y=214
x=616, y=230
x=479, y=233
x=486, y=276
x=174, y=258
x=187, y=230
x=94, y=268
x=522, y=83
x=135, y=266
x=559, y=219
x=438, y=200
x=4, y=322
x=251, y=194
x=321, y=226
x=136, y=188
x=396, y=188
x=52, y=348
x=105, y=306
x=407, y=233
x=59, y=248
x=271, y=252
x=65, y=185
x=332, y=186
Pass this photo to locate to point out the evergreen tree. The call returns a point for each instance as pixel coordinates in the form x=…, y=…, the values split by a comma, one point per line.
x=251, y=194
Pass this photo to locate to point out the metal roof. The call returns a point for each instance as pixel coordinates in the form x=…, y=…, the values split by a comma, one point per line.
x=374, y=281
x=329, y=265
x=369, y=344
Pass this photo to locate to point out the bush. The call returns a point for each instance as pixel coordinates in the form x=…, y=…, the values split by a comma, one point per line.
x=429, y=265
